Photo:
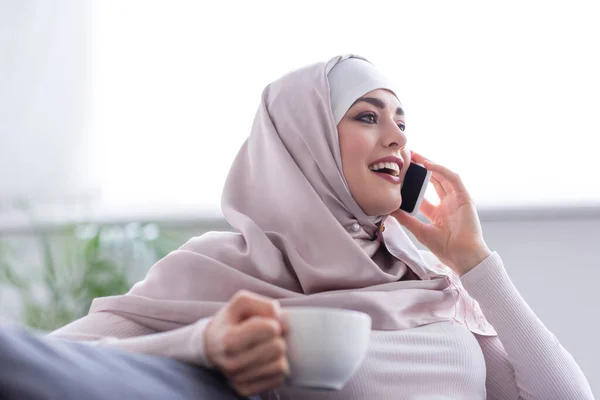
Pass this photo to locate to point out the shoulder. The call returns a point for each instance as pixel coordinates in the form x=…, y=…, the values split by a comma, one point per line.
x=211, y=240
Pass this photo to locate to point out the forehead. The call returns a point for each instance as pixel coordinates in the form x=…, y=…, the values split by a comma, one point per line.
x=386, y=95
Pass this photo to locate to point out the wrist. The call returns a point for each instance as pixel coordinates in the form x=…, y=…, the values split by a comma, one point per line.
x=206, y=346
x=193, y=344
x=472, y=258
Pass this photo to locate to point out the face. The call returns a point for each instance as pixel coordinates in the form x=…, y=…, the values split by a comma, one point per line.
x=374, y=153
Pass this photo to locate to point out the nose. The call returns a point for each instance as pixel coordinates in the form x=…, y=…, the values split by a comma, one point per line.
x=393, y=136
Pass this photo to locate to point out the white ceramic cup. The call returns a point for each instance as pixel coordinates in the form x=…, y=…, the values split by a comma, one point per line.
x=325, y=345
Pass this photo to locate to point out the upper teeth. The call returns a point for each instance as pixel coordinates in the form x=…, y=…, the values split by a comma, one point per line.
x=389, y=165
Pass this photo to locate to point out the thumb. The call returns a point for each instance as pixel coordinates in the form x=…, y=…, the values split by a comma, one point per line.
x=416, y=227
x=244, y=305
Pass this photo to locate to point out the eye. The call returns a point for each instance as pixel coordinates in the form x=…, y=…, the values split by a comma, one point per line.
x=369, y=118
x=401, y=126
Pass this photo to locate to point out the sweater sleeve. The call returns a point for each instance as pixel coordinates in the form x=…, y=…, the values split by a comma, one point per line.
x=100, y=325
x=525, y=355
x=107, y=329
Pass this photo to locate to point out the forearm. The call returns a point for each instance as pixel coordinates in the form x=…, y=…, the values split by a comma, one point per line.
x=111, y=330
x=184, y=344
x=543, y=368
x=100, y=325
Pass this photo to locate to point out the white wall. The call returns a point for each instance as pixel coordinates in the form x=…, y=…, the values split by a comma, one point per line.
x=44, y=100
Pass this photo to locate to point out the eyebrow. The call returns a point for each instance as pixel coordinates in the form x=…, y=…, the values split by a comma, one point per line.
x=378, y=103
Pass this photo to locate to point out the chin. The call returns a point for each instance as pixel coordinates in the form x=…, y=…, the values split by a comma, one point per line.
x=386, y=208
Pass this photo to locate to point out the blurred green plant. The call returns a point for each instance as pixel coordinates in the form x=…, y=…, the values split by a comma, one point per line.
x=78, y=265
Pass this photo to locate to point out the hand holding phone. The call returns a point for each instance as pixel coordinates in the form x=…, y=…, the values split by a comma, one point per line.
x=453, y=232
x=414, y=187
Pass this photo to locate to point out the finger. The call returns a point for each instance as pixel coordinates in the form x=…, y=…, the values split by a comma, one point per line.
x=259, y=386
x=439, y=189
x=446, y=185
x=245, y=363
x=284, y=327
x=427, y=209
x=417, y=158
x=277, y=367
x=445, y=176
x=249, y=334
x=245, y=304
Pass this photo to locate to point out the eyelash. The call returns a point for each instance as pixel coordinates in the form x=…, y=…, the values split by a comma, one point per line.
x=362, y=117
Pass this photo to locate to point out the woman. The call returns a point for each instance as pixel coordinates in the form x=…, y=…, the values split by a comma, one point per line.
x=318, y=223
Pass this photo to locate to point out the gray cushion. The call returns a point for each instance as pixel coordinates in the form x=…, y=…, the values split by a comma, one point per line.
x=33, y=367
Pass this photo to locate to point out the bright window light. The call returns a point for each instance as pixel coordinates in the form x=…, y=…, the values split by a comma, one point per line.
x=504, y=93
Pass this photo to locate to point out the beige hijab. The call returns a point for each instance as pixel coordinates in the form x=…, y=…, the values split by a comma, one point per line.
x=300, y=236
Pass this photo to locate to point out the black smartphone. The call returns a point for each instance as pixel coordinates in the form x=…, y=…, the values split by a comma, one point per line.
x=413, y=188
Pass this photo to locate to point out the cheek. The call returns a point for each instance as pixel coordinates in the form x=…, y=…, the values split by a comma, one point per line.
x=355, y=149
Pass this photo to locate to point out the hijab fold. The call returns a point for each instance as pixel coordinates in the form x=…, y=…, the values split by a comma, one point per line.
x=299, y=235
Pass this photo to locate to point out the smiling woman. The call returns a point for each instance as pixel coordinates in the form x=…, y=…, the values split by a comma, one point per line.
x=312, y=192
x=445, y=323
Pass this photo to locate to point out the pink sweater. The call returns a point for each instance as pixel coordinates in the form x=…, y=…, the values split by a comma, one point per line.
x=437, y=361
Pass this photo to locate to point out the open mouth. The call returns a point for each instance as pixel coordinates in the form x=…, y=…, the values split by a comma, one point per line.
x=390, y=168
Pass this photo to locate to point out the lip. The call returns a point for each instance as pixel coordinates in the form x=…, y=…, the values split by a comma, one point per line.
x=390, y=178
x=393, y=159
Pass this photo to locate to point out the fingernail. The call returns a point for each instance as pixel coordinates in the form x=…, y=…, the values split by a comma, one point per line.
x=277, y=308
x=278, y=311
